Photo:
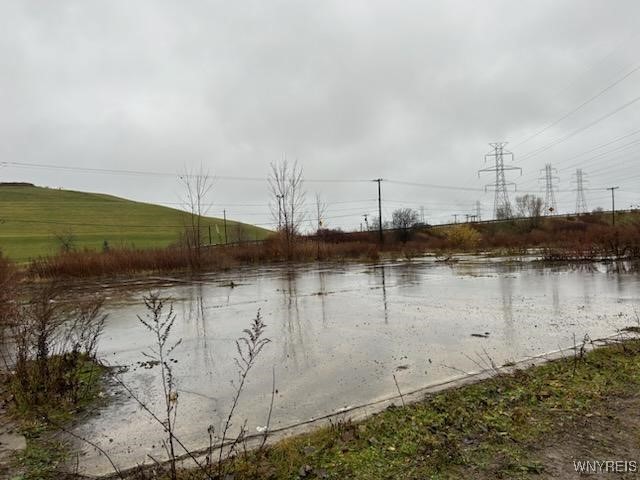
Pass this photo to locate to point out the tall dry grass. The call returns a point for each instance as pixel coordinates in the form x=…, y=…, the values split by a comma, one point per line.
x=9, y=282
x=127, y=261
x=53, y=354
x=578, y=238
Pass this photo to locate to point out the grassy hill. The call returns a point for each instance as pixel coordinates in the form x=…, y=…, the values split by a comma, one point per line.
x=33, y=219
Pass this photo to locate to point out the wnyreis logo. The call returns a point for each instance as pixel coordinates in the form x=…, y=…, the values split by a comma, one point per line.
x=596, y=467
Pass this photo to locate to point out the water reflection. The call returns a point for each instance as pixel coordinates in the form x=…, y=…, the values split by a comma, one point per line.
x=194, y=314
x=322, y=292
x=555, y=295
x=327, y=360
x=506, y=292
x=295, y=348
x=383, y=281
x=408, y=274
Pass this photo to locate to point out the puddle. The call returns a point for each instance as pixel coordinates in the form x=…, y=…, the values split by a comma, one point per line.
x=339, y=333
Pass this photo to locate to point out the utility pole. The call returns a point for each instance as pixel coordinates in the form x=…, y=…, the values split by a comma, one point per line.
x=613, y=204
x=379, y=180
x=581, y=202
x=550, y=206
x=501, y=204
x=478, y=210
x=455, y=218
x=279, y=197
x=366, y=221
x=224, y=213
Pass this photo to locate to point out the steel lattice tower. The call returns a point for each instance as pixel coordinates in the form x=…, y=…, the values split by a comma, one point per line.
x=581, y=202
x=501, y=204
x=550, y=205
x=478, y=211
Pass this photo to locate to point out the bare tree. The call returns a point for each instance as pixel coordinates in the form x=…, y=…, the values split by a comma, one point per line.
x=503, y=213
x=404, y=220
x=67, y=240
x=287, y=190
x=530, y=206
x=197, y=186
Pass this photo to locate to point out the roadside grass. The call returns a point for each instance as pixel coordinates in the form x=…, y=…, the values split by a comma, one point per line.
x=490, y=429
x=33, y=217
x=41, y=423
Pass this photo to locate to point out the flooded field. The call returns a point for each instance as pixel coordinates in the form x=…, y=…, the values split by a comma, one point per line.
x=338, y=335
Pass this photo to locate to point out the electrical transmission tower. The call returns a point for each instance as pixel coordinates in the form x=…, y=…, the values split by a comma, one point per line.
x=478, y=211
x=581, y=202
x=501, y=204
x=550, y=205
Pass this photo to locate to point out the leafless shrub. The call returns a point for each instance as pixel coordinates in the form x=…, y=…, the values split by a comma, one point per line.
x=287, y=189
x=54, y=348
x=580, y=350
x=197, y=186
x=160, y=325
x=395, y=380
x=159, y=322
x=248, y=348
x=404, y=221
x=66, y=239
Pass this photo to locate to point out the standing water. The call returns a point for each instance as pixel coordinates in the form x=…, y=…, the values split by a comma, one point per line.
x=339, y=332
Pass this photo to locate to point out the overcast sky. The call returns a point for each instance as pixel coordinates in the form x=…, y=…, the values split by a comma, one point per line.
x=354, y=90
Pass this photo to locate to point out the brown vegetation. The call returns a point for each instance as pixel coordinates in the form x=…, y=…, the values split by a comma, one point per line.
x=9, y=277
x=53, y=351
x=589, y=237
x=127, y=261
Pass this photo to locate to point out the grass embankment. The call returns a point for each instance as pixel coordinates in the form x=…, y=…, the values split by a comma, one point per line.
x=145, y=238
x=33, y=218
x=528, y=424
x=559, y=239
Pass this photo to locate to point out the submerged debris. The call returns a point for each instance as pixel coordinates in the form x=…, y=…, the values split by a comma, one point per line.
x=481, y=335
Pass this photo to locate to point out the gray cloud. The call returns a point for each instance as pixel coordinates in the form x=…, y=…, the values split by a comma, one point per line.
x=407, y=90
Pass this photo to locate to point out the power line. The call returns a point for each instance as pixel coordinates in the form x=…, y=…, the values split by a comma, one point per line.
x=431, y=185
x=113, y=171
x=583, y=104
x=544, y=148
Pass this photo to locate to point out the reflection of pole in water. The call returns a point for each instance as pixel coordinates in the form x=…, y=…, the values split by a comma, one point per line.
x=293, y=334
x=555, y=295
x=384, y=293
x=323, y=293
x=587, y=292
x=506, y=290
x=196, y=315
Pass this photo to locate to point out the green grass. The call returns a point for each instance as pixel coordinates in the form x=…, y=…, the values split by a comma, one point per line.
x=32, y=217
x=491, y=429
